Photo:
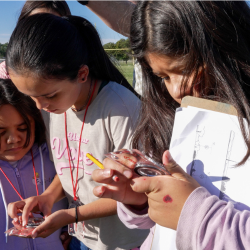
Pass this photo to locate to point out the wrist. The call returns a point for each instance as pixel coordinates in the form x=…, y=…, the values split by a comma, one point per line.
x=49, y=196
x=70, y=216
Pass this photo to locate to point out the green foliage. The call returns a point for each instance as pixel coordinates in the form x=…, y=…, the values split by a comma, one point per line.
x=113, y=50
x=3, y=49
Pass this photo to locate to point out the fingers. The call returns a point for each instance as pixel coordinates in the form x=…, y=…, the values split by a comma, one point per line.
x=102, y=175
x=144, y=184
x=174, y=169
x=17, y=224
x=104, y=192
x=125, y=158
x=40, y=231
x=108, y=192
x=29, y=206
x=14, y=208
x=111, y=164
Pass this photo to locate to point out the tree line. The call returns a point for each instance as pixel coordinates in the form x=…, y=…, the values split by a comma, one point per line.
x=3, y=49
x=123, y=55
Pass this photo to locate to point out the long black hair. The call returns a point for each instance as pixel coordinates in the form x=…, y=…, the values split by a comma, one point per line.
x=56, y=47
x=213, y=39
x=59, y=7
x=26, y=107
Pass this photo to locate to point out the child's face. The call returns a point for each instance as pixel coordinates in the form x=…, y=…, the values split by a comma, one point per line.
x=172, y=72
x=13, y=131
x=51, y=95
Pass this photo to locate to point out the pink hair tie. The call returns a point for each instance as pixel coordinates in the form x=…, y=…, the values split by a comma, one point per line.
x=3, y=71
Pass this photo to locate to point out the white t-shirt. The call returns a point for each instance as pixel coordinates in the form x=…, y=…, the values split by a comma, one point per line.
x=109, y=126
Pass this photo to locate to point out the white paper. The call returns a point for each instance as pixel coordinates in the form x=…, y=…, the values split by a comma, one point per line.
x=208, y=145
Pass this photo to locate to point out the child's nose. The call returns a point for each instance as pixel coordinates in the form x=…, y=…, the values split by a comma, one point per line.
x=13, y=138
x=41, y=103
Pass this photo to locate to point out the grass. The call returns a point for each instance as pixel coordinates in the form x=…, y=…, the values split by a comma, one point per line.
x=127, y=70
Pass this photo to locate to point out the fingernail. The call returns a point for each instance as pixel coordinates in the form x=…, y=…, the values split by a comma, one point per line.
x=127, y=173
x=15, y=219
x=115, y=178
x=34, y=235
x=24, y=223
x=170, y=158
x=106, y=173
x=99, y=190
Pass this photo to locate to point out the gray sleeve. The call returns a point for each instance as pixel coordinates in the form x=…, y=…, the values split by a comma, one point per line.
x=209, y=223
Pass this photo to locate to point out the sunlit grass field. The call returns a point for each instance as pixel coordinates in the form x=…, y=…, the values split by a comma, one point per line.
x=126, y=70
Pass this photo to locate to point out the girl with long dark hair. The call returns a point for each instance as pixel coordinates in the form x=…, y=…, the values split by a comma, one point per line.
x=25, y=167
x=91, y=108
x=196, y=48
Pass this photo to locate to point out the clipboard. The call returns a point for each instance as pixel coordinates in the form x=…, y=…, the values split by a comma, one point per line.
x=208, y=104
x=203, y=104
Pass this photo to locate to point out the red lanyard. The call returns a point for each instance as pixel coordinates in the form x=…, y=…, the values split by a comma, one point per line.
x=80, y=139
x=34, y=177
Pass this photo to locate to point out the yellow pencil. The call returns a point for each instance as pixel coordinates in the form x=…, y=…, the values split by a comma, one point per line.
x=92, y=158
x=99, y=164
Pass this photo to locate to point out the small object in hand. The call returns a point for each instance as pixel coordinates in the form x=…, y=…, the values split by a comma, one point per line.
x=26, y=231
x=34, y=222
x=144, y=166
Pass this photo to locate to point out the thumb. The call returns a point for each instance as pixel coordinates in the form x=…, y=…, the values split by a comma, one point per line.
x=144, y=184
x=40, y=229
x=170, y=164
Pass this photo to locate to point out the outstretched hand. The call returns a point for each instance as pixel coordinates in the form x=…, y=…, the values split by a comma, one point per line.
x=166, y=194
x=118, y=190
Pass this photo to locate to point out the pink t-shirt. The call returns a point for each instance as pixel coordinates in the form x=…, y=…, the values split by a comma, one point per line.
x=3, y=71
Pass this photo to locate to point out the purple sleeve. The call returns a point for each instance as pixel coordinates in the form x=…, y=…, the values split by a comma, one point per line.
x=137, y=219
x=209, y=223
x=134, y=219
x=3, y=72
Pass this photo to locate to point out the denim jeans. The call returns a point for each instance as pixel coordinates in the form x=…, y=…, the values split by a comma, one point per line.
x=76, y=244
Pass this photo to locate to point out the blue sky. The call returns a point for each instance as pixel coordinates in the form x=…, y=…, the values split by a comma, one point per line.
x=10, y=10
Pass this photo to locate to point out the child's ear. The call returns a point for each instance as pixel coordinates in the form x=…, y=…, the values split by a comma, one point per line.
x=83, y=74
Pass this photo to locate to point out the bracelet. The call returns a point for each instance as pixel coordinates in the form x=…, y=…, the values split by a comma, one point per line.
x=76, y=214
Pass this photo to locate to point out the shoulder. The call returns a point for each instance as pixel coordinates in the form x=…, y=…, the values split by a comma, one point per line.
x=117, y=97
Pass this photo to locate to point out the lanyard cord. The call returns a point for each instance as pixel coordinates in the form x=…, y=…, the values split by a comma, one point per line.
x=34, y=177
x=34, y=169
x=80, y=139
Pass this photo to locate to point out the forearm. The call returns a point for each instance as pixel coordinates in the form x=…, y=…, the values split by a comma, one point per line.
x=97, y=209
x=55, y=190
x=115, y=14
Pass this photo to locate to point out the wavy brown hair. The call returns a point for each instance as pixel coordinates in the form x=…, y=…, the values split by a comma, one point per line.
x=212, y=36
